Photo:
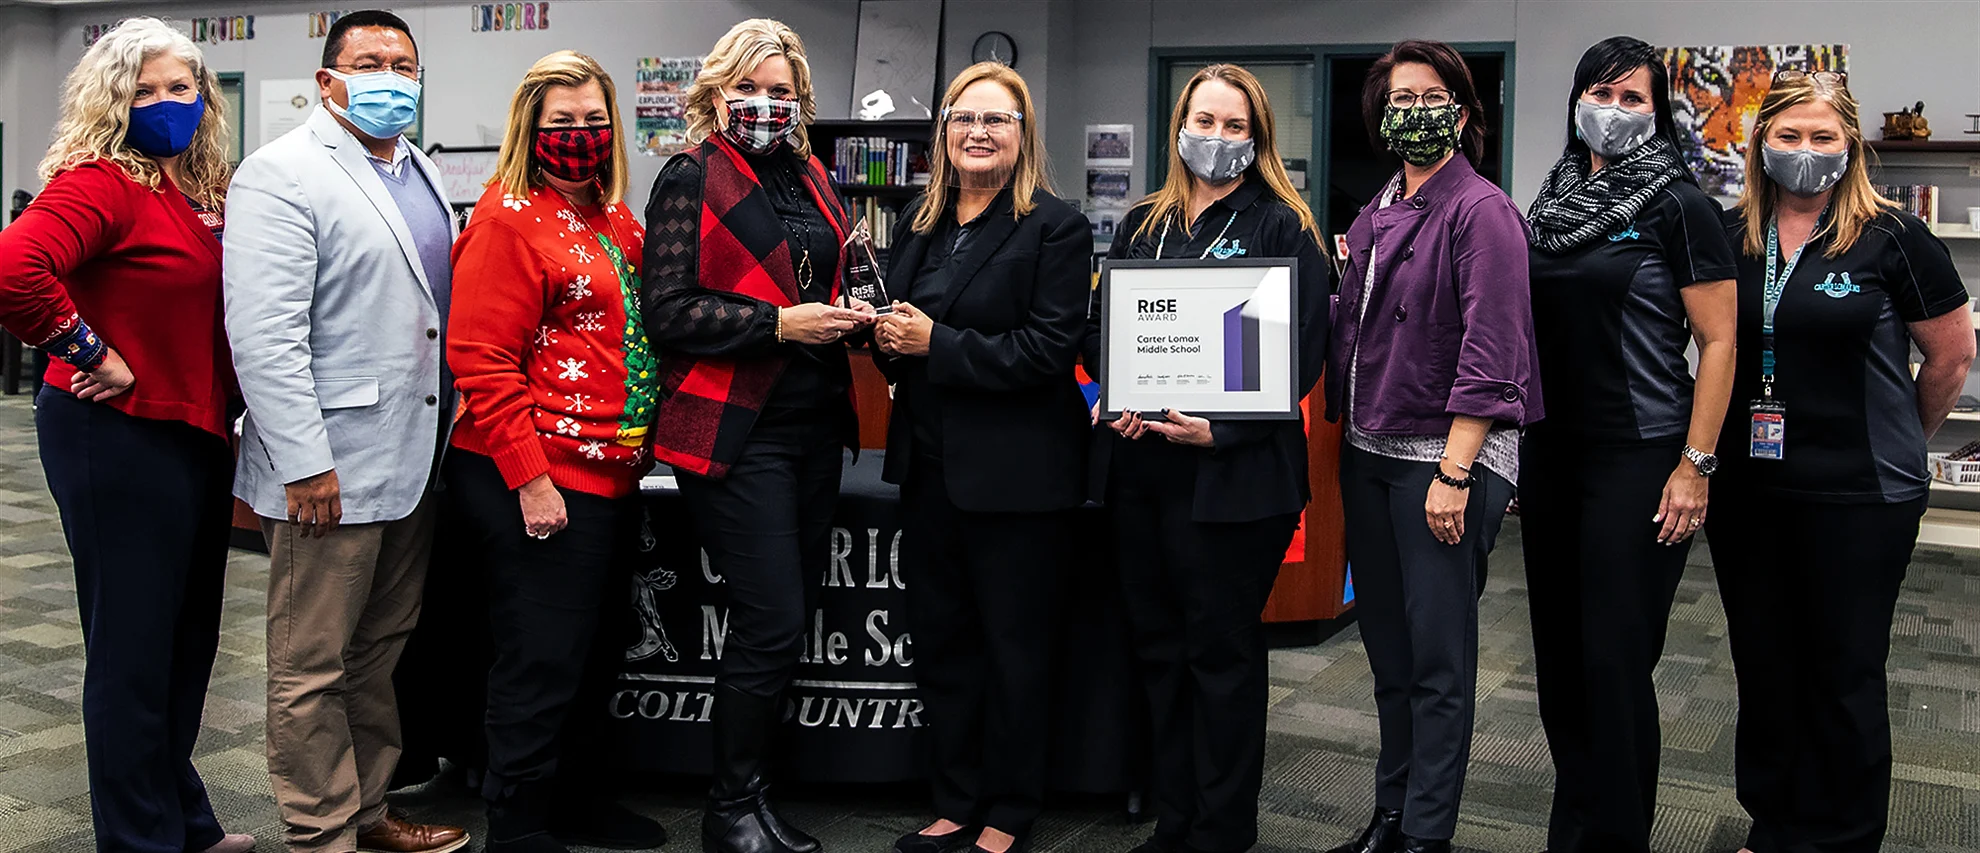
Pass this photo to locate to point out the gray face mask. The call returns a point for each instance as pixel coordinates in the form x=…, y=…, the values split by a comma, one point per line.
x=1214, y=158
x=1611, y=131
x=1802, y=171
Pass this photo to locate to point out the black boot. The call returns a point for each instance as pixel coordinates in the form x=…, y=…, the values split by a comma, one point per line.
x=1424, y=845
x=595, y=821
x=790, y=836
x=518, y=822
x=734, y=820
x=1383, y=835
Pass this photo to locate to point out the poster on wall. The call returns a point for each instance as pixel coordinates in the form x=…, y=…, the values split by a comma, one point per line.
x=660, y=104
x=1715, y=94
x=285, y=105
x=1109, y=145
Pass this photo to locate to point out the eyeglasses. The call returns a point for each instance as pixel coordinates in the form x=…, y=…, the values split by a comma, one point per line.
x=992, y=121
x=403, y=69
x=1403, y=99
x=1831, y=78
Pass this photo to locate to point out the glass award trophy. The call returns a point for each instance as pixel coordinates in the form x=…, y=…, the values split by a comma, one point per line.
x=863, y=271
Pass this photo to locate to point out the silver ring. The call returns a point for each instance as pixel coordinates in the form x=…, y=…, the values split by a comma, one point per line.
x=1450, y=524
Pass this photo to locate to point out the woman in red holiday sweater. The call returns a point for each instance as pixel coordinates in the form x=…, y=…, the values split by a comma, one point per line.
x=115, y=272
x=557, y=388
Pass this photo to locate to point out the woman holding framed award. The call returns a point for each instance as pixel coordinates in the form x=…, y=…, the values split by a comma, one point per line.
x=741, y=272
x=988, y=443
x=1202, y=510
x=1432, y=368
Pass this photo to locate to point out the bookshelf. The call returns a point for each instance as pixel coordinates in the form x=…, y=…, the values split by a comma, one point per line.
x=879, y=166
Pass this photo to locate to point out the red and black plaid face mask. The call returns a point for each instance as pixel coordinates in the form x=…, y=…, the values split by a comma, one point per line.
x=573, y=153
x=759, y=124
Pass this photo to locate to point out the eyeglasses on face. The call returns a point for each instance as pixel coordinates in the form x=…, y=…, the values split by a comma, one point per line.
x=992, y=121
x=1403, y=99
x=407, y=70
x=1832, y=78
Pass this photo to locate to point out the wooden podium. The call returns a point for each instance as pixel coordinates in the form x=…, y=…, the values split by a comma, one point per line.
x=1308, y=590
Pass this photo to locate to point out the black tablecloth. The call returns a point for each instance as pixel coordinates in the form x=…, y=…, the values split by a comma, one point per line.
x=853, y=714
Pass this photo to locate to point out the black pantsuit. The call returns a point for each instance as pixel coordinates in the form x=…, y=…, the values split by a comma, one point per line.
x=1601, y=587
x=1810, y=590
x=554, y=608
x=1417, y=600
x=767, y=527
x=979, y=593
x=987, y=440
x=146, y=508
x=1194, y=593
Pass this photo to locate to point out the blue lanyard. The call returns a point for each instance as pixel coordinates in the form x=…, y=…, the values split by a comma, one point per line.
x=1770, y=296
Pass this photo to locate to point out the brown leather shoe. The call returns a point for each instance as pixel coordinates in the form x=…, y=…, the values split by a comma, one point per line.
x=397, y=835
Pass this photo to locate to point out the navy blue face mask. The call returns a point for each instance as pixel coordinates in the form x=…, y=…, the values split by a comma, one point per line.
x=165, y=128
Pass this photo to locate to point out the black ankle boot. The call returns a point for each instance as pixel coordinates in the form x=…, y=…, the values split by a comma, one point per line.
x=734, y=821
x=1424, y=845
x=518, y=822
x=1383, y=835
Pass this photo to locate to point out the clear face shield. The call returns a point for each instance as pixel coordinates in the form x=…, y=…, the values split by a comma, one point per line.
x=982, y=146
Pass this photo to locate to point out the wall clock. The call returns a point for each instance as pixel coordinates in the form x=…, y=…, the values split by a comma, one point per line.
x=994, y=46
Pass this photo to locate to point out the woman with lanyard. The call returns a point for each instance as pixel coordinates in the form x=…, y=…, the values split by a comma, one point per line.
x=756, y=405
x=1202, y=510
x=114, y=271
x=1817, y=507
x=546, y=457
x=1629, y=264
x=1432, y=371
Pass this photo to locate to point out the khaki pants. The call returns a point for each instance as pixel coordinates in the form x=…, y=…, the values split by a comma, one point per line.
x=339, y=611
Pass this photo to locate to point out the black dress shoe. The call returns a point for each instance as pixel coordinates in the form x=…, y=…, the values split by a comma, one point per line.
x=603, y=823
x=1383, y=835
x=915, y=842
x=1424, y=845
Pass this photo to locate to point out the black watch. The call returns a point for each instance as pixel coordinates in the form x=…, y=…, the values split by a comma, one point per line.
x=1706, y=463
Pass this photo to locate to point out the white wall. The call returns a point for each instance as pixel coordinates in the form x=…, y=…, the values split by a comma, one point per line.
x=30, y=82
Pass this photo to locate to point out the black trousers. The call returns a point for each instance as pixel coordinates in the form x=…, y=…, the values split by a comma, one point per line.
x=1194, y=594
x=1601, y=587
x=981, y=594
x=555, y=618
x=442, y=676
x=767, y=528
x=1810, y=590
x=1417, y=600
x=146, y=507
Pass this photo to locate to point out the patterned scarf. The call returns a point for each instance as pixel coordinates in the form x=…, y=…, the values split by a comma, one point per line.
x=1574, y=207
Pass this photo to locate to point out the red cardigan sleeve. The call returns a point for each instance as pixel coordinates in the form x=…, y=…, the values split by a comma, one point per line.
x=74, y=220
x=498, y=303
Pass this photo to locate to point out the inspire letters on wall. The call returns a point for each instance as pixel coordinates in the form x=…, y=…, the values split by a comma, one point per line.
x=499, y=17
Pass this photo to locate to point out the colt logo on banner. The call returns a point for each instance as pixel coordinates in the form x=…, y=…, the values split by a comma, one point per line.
x=501, y=17
x=216, y=30
x=1241, y=348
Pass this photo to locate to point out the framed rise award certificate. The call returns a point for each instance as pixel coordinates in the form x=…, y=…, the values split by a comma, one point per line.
x=1210, y=338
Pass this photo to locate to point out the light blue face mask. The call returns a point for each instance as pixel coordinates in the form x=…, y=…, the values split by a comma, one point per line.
x=383, y=103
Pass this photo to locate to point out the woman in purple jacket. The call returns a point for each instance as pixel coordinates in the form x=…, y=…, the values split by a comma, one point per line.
x=1432, y=365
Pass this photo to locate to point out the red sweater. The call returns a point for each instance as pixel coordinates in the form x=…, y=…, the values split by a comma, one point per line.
x=142, y=269
x=539, y=338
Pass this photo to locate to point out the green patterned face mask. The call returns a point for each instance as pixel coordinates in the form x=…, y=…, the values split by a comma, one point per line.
x=1421, y=135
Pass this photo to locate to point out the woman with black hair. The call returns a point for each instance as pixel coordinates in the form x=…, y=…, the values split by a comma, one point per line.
x=1629, y=262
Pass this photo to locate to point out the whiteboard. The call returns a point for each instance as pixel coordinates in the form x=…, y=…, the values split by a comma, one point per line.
x=465, y=171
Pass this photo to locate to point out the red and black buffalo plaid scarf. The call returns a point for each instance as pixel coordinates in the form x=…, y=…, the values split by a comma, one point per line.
x=709, y=404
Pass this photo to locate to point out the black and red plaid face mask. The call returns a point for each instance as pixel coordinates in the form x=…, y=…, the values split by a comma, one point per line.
x=758, y=124
x=573, y=153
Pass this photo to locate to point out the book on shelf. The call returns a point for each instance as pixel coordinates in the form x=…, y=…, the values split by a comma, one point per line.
x=876, y=161
x=880, y=220
x=1920, y=200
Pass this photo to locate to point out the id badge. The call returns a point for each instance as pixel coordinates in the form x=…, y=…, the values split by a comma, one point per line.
x=1768, y=439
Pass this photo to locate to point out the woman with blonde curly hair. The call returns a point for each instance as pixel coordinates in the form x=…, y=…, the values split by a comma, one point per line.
x=115, y=271
x=742, y=303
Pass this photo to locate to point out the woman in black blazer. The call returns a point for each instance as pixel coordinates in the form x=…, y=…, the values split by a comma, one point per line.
x=1202, y=510
x=988, y=443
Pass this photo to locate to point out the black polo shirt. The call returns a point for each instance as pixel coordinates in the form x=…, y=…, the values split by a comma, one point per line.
x=1610, y=324
x=1248, y=223
x=1842, y=365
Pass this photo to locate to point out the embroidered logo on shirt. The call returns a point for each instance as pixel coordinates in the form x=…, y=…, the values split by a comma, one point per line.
x=1227, y=249
x=1838, y=289
x=1628, y=233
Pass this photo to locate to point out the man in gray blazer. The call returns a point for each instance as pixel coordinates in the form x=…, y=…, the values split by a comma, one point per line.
x=337, y=277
